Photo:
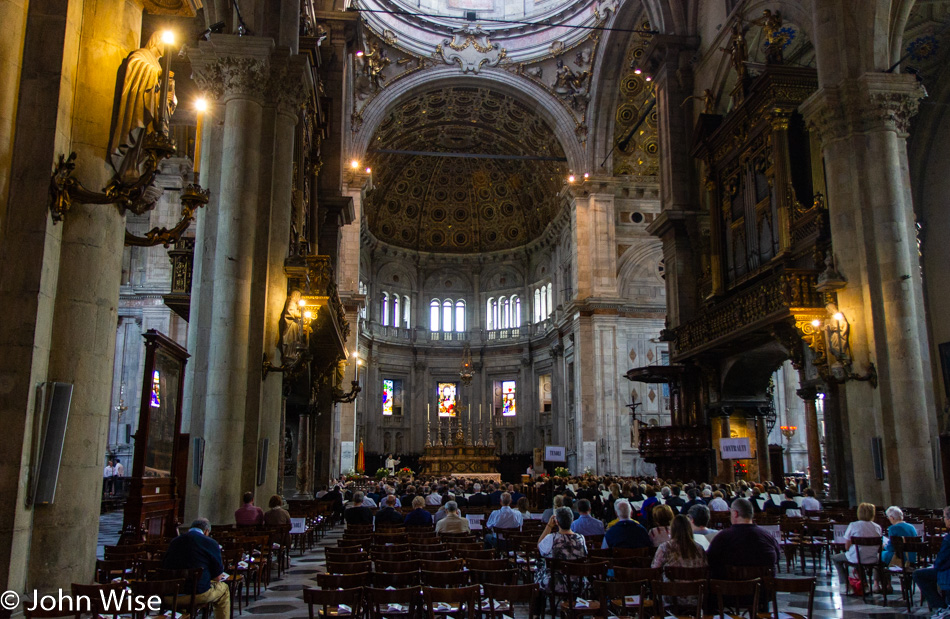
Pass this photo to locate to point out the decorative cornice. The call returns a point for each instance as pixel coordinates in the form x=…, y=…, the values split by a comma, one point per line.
x=873, y=102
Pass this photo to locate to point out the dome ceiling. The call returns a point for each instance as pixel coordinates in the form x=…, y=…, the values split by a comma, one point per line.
x=425, y=201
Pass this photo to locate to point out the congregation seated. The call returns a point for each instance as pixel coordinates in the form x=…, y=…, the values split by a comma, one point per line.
x=789, y=502
x=810, y=503
x=862, y=527
x=662, y=518
x=898, y=528
x=194, y=549
x=681, y=550
x=744, y=544
x=478, y=498
x=277, y=516
x=558, y=541
x=698, y=516
x=717, y=503
x=934, y=582
x=453, y=521
x=503, y=518
x=586, y=524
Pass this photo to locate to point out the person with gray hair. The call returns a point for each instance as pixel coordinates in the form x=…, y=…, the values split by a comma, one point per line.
x=502, y=518
x=898, y=528
x=698, y=519
x=934, y=582
x=744, y=544
x=557, y=541
x=195, y=550
x=453, y=522
x=626, y=533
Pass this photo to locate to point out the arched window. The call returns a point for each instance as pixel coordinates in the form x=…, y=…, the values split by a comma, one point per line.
x=515, y=312
x=490, y=314
x=395, y=310
x=460, y=315
x=505, y=311
x=384, y=313
x=434, y=313
x=550, y=300
x=537, y=305
x=405, y=312
x=447, y=315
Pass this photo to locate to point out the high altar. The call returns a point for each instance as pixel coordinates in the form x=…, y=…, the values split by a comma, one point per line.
x=454, y=453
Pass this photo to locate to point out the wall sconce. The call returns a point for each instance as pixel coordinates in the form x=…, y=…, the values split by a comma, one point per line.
x=837, y=332
x=127, y=191
x=788, y=432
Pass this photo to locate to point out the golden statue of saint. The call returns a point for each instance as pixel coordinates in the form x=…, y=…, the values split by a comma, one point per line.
x=138, y=105
x=738, y=51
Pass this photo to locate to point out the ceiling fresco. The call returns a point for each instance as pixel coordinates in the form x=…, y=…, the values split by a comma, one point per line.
x=458, y=204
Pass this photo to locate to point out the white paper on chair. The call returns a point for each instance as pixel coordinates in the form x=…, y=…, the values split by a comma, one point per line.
x=777, y=499
x=343, y=609
x=631, y=600
x=474, y=521
x=839, y=532
x=298, y=525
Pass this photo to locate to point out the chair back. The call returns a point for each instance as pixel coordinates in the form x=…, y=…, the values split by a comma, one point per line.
x=499, y=595
x=352, y=567
x=791, y=585
x=874, y=542
x=449, y=565
x=442, y=554
x=496, y=577
x=102, y=598
x=167, y=591
x=623, y=598
x=396, y=566
x=487, y=564
x=680, y=594
x=460, y=602
x=444, y=579
x=395, y=602
x=329, y=601
x=736, y=594
x=637, y=573
x=686, y=573
x=106, y=570
x=397, y=580
x=342, y=581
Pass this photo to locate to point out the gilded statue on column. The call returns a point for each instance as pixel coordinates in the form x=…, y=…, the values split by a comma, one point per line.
x=137, y=107
x=738, y=51
x=776, y=38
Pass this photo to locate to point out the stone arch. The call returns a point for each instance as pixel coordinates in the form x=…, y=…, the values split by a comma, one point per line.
x=548, y=108
x=637, y=268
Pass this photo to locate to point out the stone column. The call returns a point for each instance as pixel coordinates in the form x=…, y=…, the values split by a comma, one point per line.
x=236, y=69
x=82, y=346
x=304, y=455
x=816, y=478
x=593, y=251
x=762, y=450
x=863, y=123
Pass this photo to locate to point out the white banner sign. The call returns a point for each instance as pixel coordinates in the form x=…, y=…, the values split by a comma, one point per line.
x=554, y=453
x=735, y=449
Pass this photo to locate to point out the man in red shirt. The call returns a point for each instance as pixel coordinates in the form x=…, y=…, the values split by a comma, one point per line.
x=249, y=513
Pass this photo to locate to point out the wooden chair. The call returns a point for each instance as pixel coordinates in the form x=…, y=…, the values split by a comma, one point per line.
x=678, y=595
x=352, y=567
x=686, y=573
x=496, y=577
x=397, y=580
x=97, y=594
x=167, y=591
x=866, y=569
x=503, y=598
x=741, y=593
x=481, y=555
x=187, y=592
x=911, y=551
x=593, y=542
x=633, y=574
x=487, y=564
x=330, y=601
x=339, y=555
x=237, y=575
x=444, y=579
x=443, y=554
x=577, y=577
x=396, y=603
x=450, y=565
x=107, y=570
x=623, y=598
x=39, y=613
x=342, y=581
x=396, y=566
x=791, y=585
x=459, y=602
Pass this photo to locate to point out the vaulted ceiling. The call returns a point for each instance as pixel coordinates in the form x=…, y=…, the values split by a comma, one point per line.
x=498, y=190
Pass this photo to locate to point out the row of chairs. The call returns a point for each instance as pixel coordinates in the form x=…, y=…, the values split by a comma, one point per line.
x=618, y=598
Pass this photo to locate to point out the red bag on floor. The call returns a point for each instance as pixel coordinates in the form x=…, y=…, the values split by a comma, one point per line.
x=856, y=585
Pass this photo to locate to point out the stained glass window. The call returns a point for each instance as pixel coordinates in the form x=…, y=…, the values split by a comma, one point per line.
x=388, y=395
x=508, y=398
x=447, y=399
x=156, y=399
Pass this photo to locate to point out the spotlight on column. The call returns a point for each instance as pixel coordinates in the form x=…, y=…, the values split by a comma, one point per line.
x=570, y=178
x=201, y=104
x=586, y=176
x=354, y=164
x=368, y=169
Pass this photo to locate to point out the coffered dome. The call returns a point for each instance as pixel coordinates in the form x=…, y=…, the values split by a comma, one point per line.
x=463, y=170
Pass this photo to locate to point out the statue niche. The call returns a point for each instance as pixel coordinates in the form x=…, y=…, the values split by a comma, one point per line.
x=136, y=108
x=292, y=337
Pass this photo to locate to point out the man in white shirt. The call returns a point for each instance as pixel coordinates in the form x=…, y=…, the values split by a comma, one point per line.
x=810, y=503
x=503, y=518
x=108, y=473
x=718, y=504
x=434, y=497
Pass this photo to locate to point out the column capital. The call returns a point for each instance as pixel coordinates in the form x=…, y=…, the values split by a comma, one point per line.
x=807, y=393
x=872, y=102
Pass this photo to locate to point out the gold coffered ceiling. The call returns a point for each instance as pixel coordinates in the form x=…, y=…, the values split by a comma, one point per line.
x=457, y=204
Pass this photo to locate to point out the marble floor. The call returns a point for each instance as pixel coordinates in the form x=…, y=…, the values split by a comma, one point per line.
x=284, y=600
